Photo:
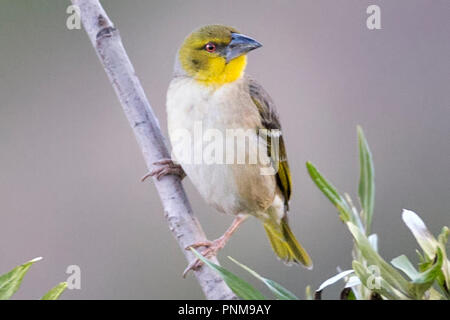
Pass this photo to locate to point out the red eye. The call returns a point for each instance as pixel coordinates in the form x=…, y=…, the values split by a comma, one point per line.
x=210, y=47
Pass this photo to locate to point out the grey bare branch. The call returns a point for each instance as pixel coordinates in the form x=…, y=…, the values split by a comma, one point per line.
x=185, y=227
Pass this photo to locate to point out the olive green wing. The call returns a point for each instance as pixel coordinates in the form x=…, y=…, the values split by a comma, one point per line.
x=270, y=121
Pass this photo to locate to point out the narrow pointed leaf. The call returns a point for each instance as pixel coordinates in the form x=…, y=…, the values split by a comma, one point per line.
x=240, y=287
x=55, y=292
x=334, y=279
x=424, y=238
x=278, y=290
x=429, y=243
x=442, y=239
x=366, y=189
x=10, y=282
x=382, y=287
x=373, y=239
x=352, y=282
x=387, y=272
x=308, y=293
x=402, y=262
x=330, y=192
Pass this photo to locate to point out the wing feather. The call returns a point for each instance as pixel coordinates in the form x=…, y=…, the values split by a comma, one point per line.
x=270, y=121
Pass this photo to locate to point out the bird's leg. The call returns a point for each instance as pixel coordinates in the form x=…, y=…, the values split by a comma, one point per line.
x=213, y=247
x=164, y=167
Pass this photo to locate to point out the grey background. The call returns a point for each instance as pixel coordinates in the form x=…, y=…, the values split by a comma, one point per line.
x=70, y=167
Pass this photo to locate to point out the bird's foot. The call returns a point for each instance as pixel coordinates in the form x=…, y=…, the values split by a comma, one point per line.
x=212, y=248
x=165, y=167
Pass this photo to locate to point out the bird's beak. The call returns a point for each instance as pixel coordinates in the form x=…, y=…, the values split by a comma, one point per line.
x=240, y=45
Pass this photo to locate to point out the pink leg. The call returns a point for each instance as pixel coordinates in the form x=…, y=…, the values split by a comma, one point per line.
x=166, y=166
x=213, y=247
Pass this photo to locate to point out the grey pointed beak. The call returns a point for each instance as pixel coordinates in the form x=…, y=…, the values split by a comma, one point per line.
x=240, y=45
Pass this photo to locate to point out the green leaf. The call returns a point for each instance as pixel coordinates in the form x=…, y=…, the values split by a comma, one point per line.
x=402, y=262
x=429, y=244
x=442, y=239
x=426, y=279
x=376, y=283
x=422, y=281
x=388, y=273
x=240, y=287
x=55, y=292
x=366, y=189
x=278, y=290
x=10, y=282
x=330, y=192
x=308, y=293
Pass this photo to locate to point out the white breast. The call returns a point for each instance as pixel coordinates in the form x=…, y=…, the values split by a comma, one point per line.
x=191, y=108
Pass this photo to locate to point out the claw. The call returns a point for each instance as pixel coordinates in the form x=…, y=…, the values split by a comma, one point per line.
x=212, y=248
x=196, y=245
x=166, y=167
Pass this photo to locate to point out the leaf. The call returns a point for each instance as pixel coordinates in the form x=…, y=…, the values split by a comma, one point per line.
x=373, y=239
x=308, y=293
x=278, y=290
x=366, y=189
x=330, y=192
x=240, y=287
x=424, y=238
x=435, y=295
x=352, y=282
x=388, y=273
x=370, y=281
x=425, y=279
x=422, y=281
x=402, y=262
x=10, y=282
x=442, y=239
x=55, y=292
x=334, y=279
x=428, y=242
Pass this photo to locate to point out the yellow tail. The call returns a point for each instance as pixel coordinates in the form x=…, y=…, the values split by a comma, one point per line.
x=285, y=245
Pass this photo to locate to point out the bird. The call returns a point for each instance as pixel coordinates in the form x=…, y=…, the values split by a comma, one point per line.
x=210, y=92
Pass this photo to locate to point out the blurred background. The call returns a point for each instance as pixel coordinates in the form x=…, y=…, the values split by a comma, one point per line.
x=70, y=166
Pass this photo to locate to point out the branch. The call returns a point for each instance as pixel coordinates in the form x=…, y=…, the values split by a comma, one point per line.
x=185, y=227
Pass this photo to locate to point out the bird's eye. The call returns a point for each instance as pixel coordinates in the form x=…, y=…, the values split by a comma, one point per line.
x=210, y=47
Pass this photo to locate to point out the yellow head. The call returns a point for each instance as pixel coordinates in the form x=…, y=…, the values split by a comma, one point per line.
x=215, y=54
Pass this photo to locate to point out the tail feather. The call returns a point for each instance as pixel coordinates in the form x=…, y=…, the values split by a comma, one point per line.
x=285, y=245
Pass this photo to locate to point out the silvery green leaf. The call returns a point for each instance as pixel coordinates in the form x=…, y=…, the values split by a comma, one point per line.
x=366, y=189
x=373, y=239
x=376, y=284
x=55, y=292
x=387, y=272
x=402, y=262
x=330, y=192
x=240, y=287
x=10, y=282
x=426, y=240
x=442, y=239
x=308, y=293
x=433, y=294
x=352, y=282
x=278, y=290
x=334, y=279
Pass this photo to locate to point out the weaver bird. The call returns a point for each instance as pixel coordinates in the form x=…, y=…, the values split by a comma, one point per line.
x=209, y=88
